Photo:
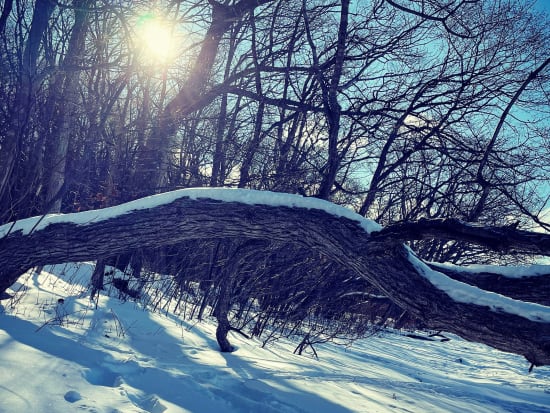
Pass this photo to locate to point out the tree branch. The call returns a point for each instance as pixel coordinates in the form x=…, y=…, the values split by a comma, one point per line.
x=508, y=240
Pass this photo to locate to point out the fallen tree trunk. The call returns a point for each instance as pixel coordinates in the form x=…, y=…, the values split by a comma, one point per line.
x=380, y=258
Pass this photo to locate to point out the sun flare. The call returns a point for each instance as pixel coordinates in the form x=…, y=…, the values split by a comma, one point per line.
x=155, y=38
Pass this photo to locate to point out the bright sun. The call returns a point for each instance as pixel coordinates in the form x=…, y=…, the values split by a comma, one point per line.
x=155, y=38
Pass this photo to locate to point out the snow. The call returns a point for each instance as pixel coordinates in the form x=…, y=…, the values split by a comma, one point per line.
x=243, y=196
x=509, y=271
x=469, y=294
x=70, y=357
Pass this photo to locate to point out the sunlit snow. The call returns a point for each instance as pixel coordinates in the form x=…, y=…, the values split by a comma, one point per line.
x=69, y=357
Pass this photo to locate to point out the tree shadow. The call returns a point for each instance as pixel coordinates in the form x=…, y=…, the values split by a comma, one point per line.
x=163, y=367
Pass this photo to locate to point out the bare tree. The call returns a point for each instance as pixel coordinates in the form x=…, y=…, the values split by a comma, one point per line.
x=23, y=104
x=64, y=107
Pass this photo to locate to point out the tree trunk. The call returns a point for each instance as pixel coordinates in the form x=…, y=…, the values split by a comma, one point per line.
x=98, y=277
x=11, y=142
x=332, y=107
x=379, y=257
x=65, y=103
x=6, y=10
x=221, y=313
x=258, y=135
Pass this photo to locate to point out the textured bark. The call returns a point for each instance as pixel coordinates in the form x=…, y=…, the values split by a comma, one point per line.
x=382, y=260
x=502, y=239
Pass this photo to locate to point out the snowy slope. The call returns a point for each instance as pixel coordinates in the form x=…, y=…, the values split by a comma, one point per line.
x=70, y=357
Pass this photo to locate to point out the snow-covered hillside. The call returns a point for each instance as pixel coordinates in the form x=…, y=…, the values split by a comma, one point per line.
x=60, y=354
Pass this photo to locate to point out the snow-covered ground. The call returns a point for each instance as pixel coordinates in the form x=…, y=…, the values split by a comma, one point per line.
x=70, y=357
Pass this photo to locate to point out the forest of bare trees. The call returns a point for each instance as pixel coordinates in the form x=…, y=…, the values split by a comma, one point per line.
x=433, y=111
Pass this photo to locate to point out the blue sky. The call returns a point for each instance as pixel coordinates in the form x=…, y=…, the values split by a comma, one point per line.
x=543, y=5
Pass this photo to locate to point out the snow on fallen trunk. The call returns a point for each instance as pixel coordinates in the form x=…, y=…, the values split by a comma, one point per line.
x=469, y=294
x=508, y=271
x=243, y=196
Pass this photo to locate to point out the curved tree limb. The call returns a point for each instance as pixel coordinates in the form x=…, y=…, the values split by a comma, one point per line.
x=508, y=240
x=381, y=258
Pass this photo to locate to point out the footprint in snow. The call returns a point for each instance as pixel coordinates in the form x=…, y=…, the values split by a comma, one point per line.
x=150, y=404
x=72, y=396
x=101, y=377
